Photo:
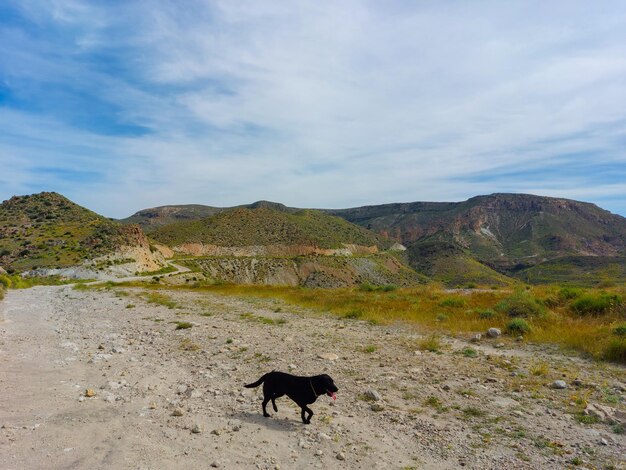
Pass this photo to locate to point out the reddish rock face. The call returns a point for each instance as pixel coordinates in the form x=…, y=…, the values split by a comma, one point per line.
x=501, y=229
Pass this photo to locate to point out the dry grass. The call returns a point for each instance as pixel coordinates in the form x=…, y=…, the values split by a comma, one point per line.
x=592, y=334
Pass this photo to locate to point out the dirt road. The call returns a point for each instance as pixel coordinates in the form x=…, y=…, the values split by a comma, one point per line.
x=173, y=398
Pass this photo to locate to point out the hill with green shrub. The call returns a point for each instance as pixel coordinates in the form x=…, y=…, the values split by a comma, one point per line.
x=155, y=217
x=586, y=271
x=265, y=225
x=450, y=264
x=47, y=230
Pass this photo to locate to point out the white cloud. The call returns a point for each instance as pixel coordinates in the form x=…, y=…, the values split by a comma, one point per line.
x=330, y=103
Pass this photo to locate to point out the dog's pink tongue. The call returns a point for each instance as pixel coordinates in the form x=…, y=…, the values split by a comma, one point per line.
x=334, y=396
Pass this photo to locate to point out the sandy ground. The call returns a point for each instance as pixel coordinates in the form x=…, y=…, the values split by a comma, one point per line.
x=437, y=410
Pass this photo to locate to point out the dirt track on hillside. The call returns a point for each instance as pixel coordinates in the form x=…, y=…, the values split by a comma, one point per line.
x=437, y=410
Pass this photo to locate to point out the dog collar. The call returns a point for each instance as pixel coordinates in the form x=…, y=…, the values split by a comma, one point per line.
x=313, y=389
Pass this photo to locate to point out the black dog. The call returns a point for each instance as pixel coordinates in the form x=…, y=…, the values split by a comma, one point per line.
x=302, y=390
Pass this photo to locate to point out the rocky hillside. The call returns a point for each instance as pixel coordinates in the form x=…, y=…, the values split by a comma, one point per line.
x=505, y=231
x=267, y=230
x=47, y=230
x=307, y=271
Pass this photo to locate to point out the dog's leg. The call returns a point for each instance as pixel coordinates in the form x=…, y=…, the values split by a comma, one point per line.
x=265, y=402
x=274, y=404
x=310, y=411
x=306, y=409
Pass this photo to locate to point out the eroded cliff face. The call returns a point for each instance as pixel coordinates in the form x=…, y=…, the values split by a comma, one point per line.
x=133, y=254
x=200, y=249
x=313, y=271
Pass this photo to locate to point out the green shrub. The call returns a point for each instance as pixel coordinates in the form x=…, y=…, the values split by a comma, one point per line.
x=5, y=281
x=569, y=293
x=615, y=351
x=518, y=326
x=452, y=302
x=486, y=314
x=597, y=304
x=469, y=352
x=442, y=317
x=353, y=314
x=521, y=304
x=620, y=330
x=432, y=344
x=367, y=287
x=183, y=325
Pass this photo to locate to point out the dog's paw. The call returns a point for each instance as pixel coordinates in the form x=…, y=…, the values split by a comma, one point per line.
x=267, y=415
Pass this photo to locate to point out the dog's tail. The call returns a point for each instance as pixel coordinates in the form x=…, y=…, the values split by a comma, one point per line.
x=257, y=383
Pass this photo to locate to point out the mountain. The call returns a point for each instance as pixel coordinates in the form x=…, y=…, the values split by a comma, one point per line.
x=276, y=228
x=46, y=230
x=507, y=232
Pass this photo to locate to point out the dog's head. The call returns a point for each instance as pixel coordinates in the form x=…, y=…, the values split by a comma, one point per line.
x=328, y=385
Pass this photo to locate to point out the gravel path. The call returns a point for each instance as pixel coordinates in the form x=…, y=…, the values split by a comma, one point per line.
x=168, y=398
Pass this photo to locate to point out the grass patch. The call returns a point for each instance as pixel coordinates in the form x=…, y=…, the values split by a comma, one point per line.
x=353, y=314
x=369, y=349
x=432, y=344
x=188, y=345
x=434, y=402
x=469, y=352
x=182, y=325
x=541, y=368
x=366, y=287
x=158, y=298
x=453, y=302
x=262, y=319
x=586, y=419
x=473, y=412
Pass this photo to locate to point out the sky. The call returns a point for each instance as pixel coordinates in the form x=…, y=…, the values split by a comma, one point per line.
x=122, y=105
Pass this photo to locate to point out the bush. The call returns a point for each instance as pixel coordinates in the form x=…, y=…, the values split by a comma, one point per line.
x=5, y=281
x=442, y=317
x=597, y=304
x=353, y=314
x=453, y=302
x=620, y=330
x=615, y=350
x=518, y=326
x=569, y=293
x=486, y=314
x=521, y=305
x=432, y=344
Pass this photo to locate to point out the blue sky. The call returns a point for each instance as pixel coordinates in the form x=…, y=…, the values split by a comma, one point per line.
x=123, y=105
